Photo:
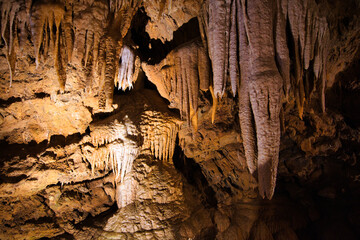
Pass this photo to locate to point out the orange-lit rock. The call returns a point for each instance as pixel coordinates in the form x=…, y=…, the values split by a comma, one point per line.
x=214, y=119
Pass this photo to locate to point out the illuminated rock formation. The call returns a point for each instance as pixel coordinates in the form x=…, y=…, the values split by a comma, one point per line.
x=139, y=119
x=117, y=141
x=248, y=42
x=180, y=76
x=128, y=70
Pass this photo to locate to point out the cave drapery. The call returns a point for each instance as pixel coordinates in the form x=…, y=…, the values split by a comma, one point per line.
x=85, y=65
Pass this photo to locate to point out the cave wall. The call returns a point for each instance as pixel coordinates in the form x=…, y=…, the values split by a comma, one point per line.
x=166, y=119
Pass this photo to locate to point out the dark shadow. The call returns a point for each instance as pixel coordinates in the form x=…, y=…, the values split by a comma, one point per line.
x=193, y=174
x=344, y=96
x=153, y=51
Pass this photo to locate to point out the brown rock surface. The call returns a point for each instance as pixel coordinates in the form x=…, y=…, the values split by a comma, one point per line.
x=216, y=101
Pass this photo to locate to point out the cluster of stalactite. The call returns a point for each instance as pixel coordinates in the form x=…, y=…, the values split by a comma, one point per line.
x=267, y=49
x=112, y=146
x=180, y=76
x=115, y=143
x=128, y=70
x=87, y=34
x=44, y=17
x=249, y=43
x=13, y=20
x=117, y=156
x=109, y=130
x=159, y=133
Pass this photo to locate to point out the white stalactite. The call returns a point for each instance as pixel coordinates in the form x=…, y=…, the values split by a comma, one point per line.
x=117, y=156
x=128, y=70
x=114, y=149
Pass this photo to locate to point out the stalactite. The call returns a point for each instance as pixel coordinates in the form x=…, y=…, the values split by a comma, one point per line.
x=264, y=91
x=245, y=112
x=9, y=26
x=233, y=44
x=117, y=5
x=107, y=54
x=61, y=74
x=115, y=141
x=68, y=30
x=117, y=156
x=159, y=132
x=185, y=65
x=218, y=40
x=79, y=45
x=203, y=69
x=282, y=51
x=214, y=106
x=258, y=28
x=114, y=148
x=89, y=44
x=128, y=69
x=107, y=47
x=96, y=43
x=310, y=34
x=44, y=16
x=83, y=42
x=101, y=68
x=162, y=6
x=179, y=77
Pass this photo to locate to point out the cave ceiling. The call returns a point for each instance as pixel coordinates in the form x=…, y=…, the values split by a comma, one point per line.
x=208, y=119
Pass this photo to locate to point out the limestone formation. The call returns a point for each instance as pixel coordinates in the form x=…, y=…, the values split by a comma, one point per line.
x=128, y=70
x=210, y=119
x=247, y=43
x=180, y=76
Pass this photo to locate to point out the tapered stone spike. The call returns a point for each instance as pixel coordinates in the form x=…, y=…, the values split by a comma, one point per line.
x=128, y=69
x=185, y=70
